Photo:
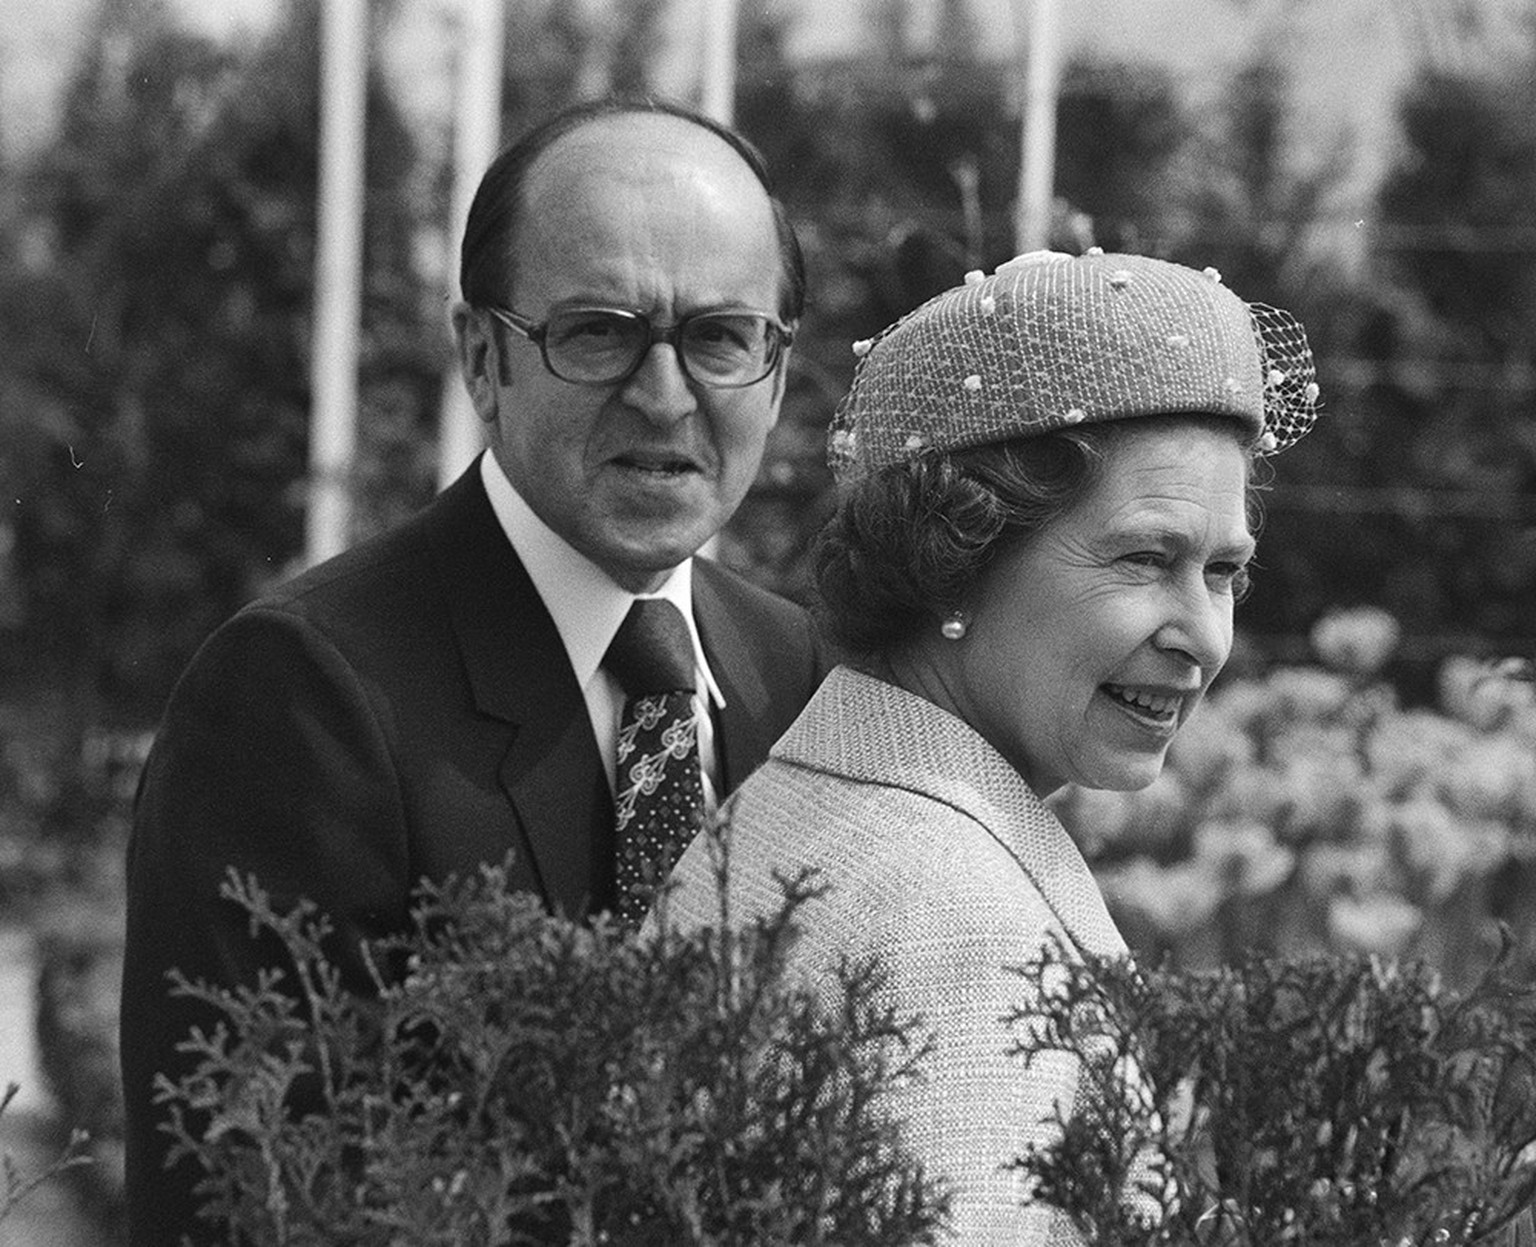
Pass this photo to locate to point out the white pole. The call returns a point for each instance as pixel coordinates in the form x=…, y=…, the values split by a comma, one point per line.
x=338, y=276
x=1037, y=154
x=717, y=95
x=717, y=98
x=476, y=138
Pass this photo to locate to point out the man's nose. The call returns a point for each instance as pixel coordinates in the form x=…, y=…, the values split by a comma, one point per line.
x=659, y=388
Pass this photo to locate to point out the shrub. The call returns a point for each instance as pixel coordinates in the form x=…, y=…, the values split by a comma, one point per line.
x=525, y=1079
x=1329, y=1100
x=76, y=1004
x=16, y=1186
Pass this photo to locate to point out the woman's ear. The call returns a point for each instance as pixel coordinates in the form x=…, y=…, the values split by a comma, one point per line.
x=479, y=359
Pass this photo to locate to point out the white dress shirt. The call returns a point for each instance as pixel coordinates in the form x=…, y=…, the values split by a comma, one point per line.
x=588, y=607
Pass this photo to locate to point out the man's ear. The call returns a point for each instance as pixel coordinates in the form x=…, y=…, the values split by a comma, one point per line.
x=479, y=358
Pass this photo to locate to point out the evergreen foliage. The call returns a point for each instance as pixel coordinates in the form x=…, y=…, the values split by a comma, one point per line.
x=16, y=1186
x=154, y=390
x=526, y=1079
x=1350, y=1102
x=1417, y=490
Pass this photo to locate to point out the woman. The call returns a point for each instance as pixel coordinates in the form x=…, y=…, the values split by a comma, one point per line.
x=1043, y=526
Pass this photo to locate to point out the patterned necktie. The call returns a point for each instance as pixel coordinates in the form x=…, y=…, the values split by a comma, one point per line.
x=659, y=790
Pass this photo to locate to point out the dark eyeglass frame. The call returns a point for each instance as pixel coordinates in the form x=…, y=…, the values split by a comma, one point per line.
x=780, y=339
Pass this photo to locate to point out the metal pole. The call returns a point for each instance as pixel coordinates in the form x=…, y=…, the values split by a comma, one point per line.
x=717, y=99
x=717, y=95
x=1037, y=155
x=476, y=137
x=338, y=276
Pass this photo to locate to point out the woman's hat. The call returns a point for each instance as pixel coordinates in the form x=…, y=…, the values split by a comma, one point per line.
x=1051, y=340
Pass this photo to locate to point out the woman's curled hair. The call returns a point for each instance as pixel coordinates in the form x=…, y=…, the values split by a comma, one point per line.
x=907, y=541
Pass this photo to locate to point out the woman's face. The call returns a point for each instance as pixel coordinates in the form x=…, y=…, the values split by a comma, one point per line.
x=1090, y=642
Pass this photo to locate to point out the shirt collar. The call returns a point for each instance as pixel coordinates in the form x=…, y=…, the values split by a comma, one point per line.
x=585, y=603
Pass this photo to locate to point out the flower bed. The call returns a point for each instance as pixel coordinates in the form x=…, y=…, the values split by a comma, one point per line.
x=1306, y=811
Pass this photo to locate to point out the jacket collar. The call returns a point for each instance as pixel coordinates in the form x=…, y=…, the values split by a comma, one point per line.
x=496, y=613
x=865, y=729
x=518, y=673
x=738, y=666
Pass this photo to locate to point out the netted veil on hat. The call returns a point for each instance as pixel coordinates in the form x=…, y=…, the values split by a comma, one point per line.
x=1051, y=340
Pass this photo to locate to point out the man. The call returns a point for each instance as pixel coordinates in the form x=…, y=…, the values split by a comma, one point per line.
x=436, y=698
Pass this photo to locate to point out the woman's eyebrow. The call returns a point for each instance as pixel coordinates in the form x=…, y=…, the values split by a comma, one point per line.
x=1165, y=535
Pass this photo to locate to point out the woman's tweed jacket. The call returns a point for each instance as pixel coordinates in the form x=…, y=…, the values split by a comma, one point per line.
x=939, y=858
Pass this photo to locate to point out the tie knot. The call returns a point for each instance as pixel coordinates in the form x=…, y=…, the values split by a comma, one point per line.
x=652, y=652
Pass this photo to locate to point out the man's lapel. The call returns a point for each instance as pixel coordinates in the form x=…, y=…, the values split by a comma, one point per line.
x=519, y=674
x=738, y=668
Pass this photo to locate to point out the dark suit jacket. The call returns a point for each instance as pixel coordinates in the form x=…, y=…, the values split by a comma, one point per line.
x=405, y=710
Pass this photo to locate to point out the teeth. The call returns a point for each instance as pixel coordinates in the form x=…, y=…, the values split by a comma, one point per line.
x=1154, y=703
x=670, y=468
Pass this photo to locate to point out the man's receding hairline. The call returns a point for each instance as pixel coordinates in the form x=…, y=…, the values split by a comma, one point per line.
x=505, y=204
x=616, y=120
x=529, y=182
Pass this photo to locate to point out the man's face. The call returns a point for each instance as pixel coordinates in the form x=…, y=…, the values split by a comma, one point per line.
x=654, y=215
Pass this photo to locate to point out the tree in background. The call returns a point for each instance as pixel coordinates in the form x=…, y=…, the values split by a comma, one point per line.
x=1247, y=205
x=1122, y=134
x=1461, y=205
x=156, y=372
x=157, y=273
x=899, y=166
x=1416, y=491
x=560, y=51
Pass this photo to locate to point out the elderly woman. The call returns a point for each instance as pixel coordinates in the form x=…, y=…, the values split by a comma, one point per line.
x=1043, y=527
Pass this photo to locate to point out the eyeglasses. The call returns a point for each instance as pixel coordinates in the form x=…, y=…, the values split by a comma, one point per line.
x=605, y=345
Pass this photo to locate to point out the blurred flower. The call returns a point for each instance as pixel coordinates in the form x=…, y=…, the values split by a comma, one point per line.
x=1358, y=640
x=1242, y=858
x=1172, y=900
x=1489, y=778
x=1373, y=818
x=1369, y=706
x=1208, y=748
x=1484, y=694
x=1299, y=695
x=1522, y=724
x=1309, y=780
x=1242, y=704
x=1519, y=670
x=1312, y=739
x=1149, y=820
x=1440, y=851
x=1380, y=923
x=1357, y=869
x=1404, y=752
x=1254, y=793
x=1324, y=790
x=1097, y=819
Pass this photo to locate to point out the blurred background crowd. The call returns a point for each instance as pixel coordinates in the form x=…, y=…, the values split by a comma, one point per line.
x=1365, y=776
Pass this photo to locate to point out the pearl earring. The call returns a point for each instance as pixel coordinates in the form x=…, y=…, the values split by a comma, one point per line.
x=953, y=626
